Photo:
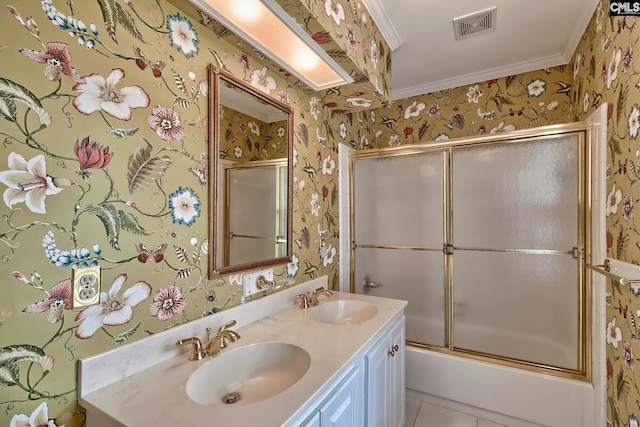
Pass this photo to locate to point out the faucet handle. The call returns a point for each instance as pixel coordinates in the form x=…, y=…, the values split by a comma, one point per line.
x=197, y=352
x=323, y=290
x=305, y=300
x=229, y=324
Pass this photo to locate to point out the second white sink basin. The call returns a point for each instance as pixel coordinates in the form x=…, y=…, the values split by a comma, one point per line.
x=248, y=374
x=343, y=312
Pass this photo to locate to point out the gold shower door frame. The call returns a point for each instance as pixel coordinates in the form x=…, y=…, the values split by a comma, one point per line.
x=280, y=228
x=582, y=253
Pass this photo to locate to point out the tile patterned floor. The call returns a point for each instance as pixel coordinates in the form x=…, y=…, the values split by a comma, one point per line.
x=421, y=414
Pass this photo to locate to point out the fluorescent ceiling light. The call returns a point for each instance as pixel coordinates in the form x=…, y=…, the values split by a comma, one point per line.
x=267, y=27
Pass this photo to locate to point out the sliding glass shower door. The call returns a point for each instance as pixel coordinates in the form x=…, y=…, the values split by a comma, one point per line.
x=515, y=238
x=399, y=233
x=485, y=239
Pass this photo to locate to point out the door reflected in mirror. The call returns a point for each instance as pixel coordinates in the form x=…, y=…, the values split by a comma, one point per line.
x=251, y=176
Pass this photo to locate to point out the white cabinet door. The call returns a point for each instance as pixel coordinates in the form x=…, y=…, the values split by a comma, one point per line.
x=397, y=375
x=345, y=407
x=384, y=379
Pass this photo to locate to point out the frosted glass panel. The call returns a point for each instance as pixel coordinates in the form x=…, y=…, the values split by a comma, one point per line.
x=413, y=276
x=520, y=195
x=517, y=305
x=251, y=237
x=398, y=201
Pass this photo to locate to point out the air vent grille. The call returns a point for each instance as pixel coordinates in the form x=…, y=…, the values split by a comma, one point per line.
x=467, y=25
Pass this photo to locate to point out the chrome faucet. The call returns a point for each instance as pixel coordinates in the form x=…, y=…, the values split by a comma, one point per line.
x=214, y=344
x=219, y=340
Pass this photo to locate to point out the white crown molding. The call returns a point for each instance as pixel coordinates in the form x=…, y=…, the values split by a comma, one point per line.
x=473, y=78
x=582, y=21
x=383, y=22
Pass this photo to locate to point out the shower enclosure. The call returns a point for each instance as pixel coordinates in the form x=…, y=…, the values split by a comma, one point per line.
x=254, y=217
x=487, y=240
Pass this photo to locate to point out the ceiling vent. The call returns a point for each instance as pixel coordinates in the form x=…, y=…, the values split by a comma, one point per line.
x=467, y=25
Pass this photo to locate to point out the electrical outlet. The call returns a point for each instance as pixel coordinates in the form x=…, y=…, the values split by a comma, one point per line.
x=86, y=286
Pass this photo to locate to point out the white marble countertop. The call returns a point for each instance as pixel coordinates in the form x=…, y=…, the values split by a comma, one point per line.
x=156, y=396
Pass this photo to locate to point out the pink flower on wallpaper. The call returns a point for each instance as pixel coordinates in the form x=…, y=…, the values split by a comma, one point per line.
x=243, y=59
x=321, y=37
x=91, y=155
x=59, y=300
x=627, y=355
x=99, y=93
x=350, y=35
x=58, y=60
x=167, y=303
x=113, y=309
x=166, y=122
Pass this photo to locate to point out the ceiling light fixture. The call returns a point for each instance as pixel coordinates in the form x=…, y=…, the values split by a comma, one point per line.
x=267, y=27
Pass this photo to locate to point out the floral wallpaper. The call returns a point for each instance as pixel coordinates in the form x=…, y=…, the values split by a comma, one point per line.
x=247, y=138
x=103, y=118
x=500, y=105
x=605, y=69
x=103, y=122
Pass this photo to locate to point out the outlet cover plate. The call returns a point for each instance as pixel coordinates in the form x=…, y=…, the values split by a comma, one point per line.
x=86, y=286
x=249, y=286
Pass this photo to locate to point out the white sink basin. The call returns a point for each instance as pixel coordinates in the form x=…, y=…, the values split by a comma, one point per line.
x=343, y=312
x=248, y=374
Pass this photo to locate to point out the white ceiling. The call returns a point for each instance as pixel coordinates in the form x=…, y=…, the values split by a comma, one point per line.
x=528, y=35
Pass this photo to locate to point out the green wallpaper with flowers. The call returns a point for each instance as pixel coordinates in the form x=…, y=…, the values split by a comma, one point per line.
x=605, y=69
x=103, y=118
x=499, y=105
x=247, y=139
x=103, y=123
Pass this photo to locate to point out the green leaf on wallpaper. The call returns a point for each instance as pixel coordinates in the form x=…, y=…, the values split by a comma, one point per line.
x=622, y=387
x=622, y=103
x=623, y=243
x=11, y=89
x=10, y=92
x=500, y=101
x=180, y=84
x=113, y=14
x=302, y=134
x=508, y=81
x=108, y=214
x=305, y=236
x=424, y=128
x=11, y=355
x=114, y=221
x=130, y=223
x=458, y=120
x=143, y=169
x=128, y=23
x=107, y=8
x=8, y=109
x=334, y=195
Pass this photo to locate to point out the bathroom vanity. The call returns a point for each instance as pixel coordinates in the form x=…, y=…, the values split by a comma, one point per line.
x=339, y=363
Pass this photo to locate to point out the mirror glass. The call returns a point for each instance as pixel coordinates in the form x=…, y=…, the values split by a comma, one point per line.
x=251, y=173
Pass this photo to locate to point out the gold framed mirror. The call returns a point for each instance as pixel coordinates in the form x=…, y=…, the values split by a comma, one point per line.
x=250, y=176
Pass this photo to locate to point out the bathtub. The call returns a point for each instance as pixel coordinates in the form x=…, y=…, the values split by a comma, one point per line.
x=506, y=395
